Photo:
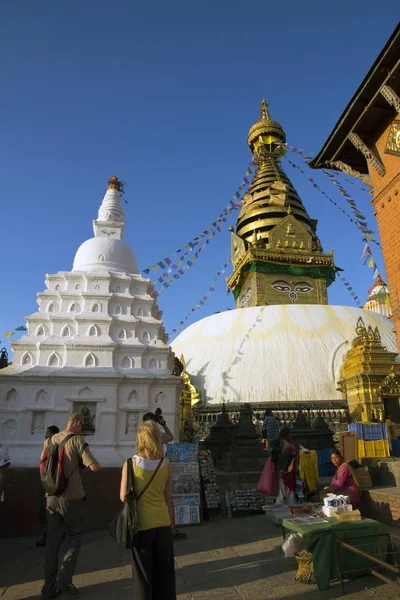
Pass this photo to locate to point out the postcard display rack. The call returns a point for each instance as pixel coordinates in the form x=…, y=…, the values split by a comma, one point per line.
x=184, y=462
x=241, y=503
x=211, y=498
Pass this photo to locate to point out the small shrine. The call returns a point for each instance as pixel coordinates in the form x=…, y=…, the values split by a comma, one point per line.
x=303, y=434
x=246, y=452
x=365, y=368
x=379, y=298
x=221, y=435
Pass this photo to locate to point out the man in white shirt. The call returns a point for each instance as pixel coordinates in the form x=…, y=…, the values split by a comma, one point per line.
x=4, y=465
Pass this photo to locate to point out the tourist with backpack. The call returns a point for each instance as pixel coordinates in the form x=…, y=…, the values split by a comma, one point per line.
x=42, y=512
x=63, y=456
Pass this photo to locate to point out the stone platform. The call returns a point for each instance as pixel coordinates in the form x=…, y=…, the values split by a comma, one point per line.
x=383, y=504
x=235, y=559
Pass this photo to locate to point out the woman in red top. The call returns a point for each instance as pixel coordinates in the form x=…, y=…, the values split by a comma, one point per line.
x=344, y=481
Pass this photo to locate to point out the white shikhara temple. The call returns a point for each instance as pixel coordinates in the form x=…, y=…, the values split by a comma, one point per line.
x=96, y=345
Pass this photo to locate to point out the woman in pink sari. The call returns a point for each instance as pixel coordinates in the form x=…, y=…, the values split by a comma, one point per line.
x=344, y=481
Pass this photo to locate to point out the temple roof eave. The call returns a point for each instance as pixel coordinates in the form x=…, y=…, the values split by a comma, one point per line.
x=366, y=113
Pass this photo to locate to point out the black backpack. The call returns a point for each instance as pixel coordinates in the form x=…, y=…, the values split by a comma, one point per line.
x=52, y=473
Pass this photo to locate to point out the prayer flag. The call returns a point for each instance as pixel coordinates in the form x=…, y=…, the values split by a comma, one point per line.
x=365, y=251
x=168, y=261
x=371, y=262
x=8, y=334
x=176, y=276
x=161, y=264
x=180, y=271
x=21, y=328
x=160, y=279
x=165, y=284
x=147, y=271
x=154, y=268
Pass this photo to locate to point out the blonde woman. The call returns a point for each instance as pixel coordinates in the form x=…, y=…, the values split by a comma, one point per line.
x=153, y=552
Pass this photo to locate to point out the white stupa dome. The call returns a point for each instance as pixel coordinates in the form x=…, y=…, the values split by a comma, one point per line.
x=105, y=253
x=274, y=353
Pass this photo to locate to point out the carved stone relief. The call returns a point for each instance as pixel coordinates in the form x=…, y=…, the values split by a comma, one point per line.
x=37, y=422
x=41, y=396
x=160, y=398
x=132, y=423
x=11, y=396
x=133, y=396
x=9, y=428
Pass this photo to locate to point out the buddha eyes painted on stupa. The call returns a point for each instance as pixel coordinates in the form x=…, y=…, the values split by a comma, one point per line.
x=292, y=288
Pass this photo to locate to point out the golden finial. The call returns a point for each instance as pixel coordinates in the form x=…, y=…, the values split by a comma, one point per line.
x=289, y=210
x=114, y=184
x=264, y=112
x=265, y=130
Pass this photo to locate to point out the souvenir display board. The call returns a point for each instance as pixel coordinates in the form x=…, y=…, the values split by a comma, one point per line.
x=212, y=503
x=184, y=462
x=241, y=503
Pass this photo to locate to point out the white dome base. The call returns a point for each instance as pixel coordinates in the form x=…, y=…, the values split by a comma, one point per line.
x=273, y=353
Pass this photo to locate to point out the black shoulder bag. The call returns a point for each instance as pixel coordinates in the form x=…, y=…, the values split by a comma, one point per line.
x=124, y=527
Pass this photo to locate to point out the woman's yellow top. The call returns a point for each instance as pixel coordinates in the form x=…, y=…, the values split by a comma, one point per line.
x=152, y=509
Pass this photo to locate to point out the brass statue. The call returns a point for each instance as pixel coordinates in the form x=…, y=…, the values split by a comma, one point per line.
x=88, y=421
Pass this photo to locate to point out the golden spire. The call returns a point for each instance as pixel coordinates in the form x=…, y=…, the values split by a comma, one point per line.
x=114, y=184
x=264, y=112
x=265, y=131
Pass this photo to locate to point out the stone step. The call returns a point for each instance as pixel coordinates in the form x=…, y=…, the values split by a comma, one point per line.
x=382, y=503
x=384, y=471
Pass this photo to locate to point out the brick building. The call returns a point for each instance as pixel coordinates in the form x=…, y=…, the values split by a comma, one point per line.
x=365, y=143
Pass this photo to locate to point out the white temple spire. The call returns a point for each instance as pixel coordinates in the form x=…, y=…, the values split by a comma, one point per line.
x=111, y=218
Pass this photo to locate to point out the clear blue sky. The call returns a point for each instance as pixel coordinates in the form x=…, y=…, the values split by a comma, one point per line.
x=163, y=94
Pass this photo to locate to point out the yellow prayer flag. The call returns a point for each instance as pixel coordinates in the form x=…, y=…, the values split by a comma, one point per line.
x=371, y=262
x=8, y=334
x=154, y=267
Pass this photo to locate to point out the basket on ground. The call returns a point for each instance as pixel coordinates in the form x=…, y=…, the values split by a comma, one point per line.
x=305, y=572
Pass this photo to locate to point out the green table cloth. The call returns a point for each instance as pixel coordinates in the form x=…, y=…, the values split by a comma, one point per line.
x=320, y=541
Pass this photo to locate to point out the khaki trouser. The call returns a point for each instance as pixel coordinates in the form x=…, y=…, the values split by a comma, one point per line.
x=65, y=519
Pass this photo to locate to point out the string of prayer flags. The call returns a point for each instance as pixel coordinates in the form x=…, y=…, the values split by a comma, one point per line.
x=369, y=260
x=350, y=290
x=209, y=232
x=359, y=217
x=200, y=302
x=8, y=334
x=319, y=189
x=359, y=220
x=307, y=157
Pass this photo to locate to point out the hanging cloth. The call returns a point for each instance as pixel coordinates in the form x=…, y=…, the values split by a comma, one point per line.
x=309, y=469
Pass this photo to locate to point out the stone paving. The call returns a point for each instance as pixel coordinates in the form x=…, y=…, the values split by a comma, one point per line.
x=236, y=559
